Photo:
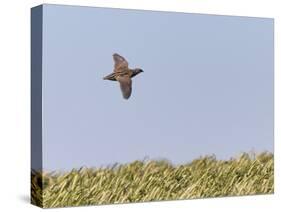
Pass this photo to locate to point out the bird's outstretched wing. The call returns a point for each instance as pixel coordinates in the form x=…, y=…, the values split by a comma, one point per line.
x=120, y=62
x=125, y=85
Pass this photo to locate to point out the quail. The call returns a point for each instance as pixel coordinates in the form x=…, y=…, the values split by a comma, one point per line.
x=123, y=74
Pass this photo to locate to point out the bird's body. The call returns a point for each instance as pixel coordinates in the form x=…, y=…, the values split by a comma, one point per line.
x=123, y=74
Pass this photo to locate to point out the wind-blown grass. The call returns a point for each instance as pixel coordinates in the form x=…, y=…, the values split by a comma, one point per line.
x=155, y=180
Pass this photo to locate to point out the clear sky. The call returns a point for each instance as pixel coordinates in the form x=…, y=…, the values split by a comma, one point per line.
x=207, y=86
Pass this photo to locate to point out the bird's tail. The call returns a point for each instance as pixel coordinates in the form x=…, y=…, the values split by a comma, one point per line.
x=110, y=77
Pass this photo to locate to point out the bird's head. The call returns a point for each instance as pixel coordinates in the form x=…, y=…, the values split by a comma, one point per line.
x=136, y=71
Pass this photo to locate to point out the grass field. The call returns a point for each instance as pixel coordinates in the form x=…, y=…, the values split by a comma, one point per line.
x=155, y=180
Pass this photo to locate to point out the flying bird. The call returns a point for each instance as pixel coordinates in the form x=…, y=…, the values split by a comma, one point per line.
x=123, y=74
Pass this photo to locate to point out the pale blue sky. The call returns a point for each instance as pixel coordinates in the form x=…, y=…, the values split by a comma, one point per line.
x=207, y=86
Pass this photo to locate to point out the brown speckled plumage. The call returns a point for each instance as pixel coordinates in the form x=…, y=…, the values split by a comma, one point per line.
x=123, y=74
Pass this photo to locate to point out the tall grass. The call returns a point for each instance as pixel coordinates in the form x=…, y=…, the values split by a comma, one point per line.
x=155, y=180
